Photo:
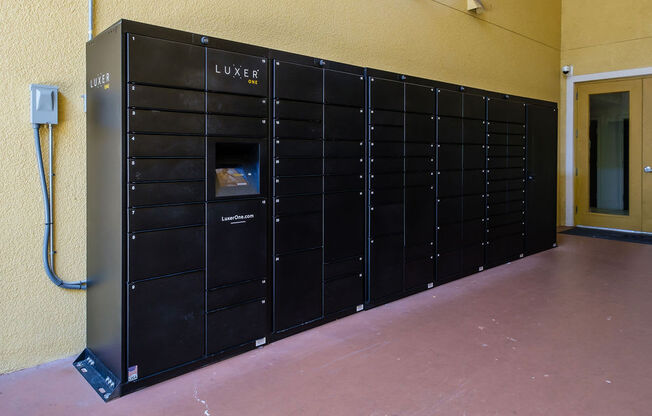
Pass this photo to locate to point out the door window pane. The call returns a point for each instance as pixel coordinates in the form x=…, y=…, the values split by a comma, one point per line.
x=609, y=153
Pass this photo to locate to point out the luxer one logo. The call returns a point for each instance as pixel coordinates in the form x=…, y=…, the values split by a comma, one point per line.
x=237, y=219
x=239, y=72
x=101, y=80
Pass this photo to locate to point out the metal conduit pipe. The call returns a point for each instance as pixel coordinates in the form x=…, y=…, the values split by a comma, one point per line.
x=90, y=19
x=48, y=219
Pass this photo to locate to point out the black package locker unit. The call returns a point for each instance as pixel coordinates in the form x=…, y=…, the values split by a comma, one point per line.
x=541, y=178
x=506, y=143
x=237, y=195
x=318, y=182
x=401, y=190
x=461, y=177
x=177, y=205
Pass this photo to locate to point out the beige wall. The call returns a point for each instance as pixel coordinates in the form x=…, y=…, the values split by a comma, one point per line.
x=510, y=48
x=600, y=36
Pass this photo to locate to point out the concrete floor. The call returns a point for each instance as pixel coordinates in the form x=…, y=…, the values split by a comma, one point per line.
x=564, y=332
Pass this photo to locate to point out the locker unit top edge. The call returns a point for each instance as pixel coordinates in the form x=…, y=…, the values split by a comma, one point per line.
x=315, y=61
x=409, y=79
x=145, y=29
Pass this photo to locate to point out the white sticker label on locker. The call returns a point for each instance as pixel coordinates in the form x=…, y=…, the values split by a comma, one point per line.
x=132, y=373
x=359, y=308
x=261, y=341
x=431, y=285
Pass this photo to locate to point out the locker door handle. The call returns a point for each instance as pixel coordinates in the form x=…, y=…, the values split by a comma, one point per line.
x=647, y=169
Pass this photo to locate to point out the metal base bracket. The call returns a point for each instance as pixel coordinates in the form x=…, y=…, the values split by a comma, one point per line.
x=103, y=381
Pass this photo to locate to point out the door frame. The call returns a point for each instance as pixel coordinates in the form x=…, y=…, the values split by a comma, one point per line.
x=569, y=170
x=633, y=219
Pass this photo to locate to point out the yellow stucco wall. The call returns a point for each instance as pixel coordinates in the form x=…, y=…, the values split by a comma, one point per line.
x=600, y=36
x=512, y=47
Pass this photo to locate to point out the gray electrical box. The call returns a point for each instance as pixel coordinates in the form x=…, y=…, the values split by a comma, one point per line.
x=44, y=104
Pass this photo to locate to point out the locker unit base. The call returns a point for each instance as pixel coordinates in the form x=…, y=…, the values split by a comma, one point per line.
x=109, y=387
x=101, y=379
x=317, y=322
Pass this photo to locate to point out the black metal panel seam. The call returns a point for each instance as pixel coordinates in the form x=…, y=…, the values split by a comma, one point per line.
x=323, y=187
x=404, y=186
x=367, y=189
x=205, y=346
x=463, y=176
x=272, y=207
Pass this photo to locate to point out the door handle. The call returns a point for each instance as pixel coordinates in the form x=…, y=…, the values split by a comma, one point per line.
x=647, y=169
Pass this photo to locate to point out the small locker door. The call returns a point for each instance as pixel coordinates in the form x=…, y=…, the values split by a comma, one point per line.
x=298, y=82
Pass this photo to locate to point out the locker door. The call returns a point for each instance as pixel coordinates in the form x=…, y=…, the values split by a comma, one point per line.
x=229, y=222
x=419, y=266
x=298, y=82
x=386, y=266
x=343, y=292
x=541, y=191
x=386, y=95
x=342, y=88
x=298, y=288
x=162, y=62
x=449, y=103
x=343, y=225
x=419, y=216
x=419, y=99
x=166, y=322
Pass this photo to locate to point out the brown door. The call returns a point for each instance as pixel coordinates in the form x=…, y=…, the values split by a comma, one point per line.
x=612, y=190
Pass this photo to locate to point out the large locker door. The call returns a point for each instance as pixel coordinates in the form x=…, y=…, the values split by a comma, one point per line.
x=230, y=222
x=166, y=323
x=343, y=225
x=163, y=62
x=541, y=184
x=386, y=266
x=298, y=288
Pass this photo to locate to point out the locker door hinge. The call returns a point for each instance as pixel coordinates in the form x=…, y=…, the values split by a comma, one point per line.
x=576, y=172
x=576, y=209
x=577, y=133
x=576, y=95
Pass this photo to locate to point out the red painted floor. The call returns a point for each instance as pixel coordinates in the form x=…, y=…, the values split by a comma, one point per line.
x=564, y=332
